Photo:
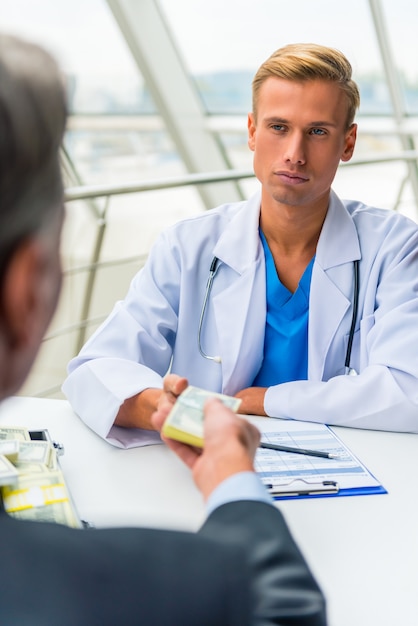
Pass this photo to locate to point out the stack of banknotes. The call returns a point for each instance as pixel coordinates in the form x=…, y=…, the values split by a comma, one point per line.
x=32, y=485
x=185, y=420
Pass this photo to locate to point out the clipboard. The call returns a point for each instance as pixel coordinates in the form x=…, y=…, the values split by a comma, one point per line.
x=288, y=476
x=300, y=487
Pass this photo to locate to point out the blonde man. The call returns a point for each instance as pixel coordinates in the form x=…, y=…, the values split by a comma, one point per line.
x=304, y=287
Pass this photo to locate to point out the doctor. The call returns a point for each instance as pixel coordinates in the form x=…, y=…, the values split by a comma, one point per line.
x=303, y=288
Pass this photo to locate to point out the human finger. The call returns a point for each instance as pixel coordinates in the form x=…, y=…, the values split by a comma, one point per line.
x=174, y=384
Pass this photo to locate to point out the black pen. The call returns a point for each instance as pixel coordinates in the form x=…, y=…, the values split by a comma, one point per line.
x=275, y=446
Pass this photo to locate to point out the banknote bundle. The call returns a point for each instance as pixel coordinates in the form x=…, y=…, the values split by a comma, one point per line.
x=185, y=420
x=32, y=485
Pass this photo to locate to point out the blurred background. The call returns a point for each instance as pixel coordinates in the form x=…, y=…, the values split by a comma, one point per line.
x=159, y=92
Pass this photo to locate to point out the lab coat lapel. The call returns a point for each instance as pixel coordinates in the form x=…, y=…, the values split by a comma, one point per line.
x=327, y=307
x=331, y=291
x=240, y=303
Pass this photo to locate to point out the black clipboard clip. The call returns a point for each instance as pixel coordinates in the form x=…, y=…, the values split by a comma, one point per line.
x=301, y=487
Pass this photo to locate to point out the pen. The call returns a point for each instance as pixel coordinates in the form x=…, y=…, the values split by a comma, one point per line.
x=275, y=446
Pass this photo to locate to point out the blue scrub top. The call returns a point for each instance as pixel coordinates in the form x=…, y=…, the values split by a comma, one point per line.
x=286, y=334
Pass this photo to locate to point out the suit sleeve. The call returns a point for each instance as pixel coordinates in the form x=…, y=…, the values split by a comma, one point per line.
x=284, y=590
x=53, y=575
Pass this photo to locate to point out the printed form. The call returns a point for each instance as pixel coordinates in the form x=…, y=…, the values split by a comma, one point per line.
x=288, y=474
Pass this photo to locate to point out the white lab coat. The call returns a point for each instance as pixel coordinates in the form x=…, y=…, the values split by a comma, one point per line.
x=157, y=324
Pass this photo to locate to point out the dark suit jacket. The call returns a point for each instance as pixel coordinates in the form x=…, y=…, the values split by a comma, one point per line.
x=241, y=568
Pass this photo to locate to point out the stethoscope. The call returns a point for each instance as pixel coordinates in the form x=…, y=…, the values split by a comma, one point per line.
x=349, y=371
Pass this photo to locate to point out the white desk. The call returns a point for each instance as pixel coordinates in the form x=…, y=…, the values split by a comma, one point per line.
x=362, y=549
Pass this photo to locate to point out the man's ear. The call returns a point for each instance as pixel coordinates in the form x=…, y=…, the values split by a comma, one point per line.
x=350, y=142
x=251, y=131
x=22, y=309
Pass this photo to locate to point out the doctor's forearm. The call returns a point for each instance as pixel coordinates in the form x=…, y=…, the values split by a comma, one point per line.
x=252, y=400
x=136, y=411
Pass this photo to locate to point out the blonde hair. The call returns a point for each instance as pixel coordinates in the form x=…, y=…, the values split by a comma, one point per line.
x=308, y=61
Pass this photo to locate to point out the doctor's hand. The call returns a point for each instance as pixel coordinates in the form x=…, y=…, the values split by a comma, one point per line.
x=252, y=400
x=230, y=444
x=136, y=411
x=173, y=386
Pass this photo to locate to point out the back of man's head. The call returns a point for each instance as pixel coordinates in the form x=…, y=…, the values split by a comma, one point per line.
x=32, y=121
x=309, y=61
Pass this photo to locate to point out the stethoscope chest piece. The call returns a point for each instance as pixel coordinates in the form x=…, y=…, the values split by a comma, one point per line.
x=350, y=371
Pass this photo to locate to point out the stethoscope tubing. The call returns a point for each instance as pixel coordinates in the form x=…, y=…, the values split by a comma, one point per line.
x=212, y=272
x=356, y=291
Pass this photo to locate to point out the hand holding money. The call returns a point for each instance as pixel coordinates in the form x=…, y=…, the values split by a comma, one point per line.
x=229, y=442
x=185, y=420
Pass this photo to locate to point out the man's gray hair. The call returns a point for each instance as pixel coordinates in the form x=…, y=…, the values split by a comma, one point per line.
x=32, y=123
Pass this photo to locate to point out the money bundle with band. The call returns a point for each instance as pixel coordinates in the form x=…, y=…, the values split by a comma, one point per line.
x=185, y=420
x=32, y=485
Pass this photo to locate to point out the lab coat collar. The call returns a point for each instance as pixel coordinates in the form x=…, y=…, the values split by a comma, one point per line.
x=338, y=242
x=238, y=246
